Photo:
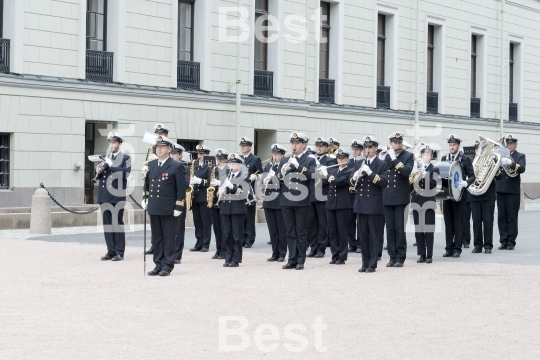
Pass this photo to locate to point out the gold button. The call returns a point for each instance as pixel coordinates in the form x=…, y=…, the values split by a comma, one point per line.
x=158, y=196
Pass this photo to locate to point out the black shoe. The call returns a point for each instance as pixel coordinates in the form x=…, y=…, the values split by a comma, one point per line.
x=503, y=247
x=398, y=264
x=456, y=255
x=117, y=258
x=487, y=251
x=221, y=257
x=466, y=245
x=379, y=258
x=194, y=249
x=370, y=270
x=233, y=264
x=177, y=261
x=153, y=272
x=510, y=247
x=164, y=273
x=226, y=264
x=149, y=251
x=204, y=250
x=319, y=255
x=288, y=266
x=358, y=251
x=421, y=259
x=299, y=267
x=340, y=262
x=385, y=248
x=448, y=254
x=269, y=243
x=312, y=254
x=351, y=249
x=362, y=269
x=429, y=260
x=476, y=251
x=106, y=257
x=332, y=262
x=248, y=246
x=391, y=264
x=280, y=259
x=215, y=256
x=272, y=259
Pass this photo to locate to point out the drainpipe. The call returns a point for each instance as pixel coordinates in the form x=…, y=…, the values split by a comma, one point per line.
x=501, y=124
x=238, y=75
x=417, y=101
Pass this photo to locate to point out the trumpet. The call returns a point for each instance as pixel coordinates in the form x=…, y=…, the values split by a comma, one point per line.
x=352, y=189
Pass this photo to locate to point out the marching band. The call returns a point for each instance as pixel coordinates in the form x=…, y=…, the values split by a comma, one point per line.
x=324, y=196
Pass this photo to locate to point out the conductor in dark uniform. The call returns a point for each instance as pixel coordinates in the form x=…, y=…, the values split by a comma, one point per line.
x=508, y=190
x=295, y=175
x=357, y=149
x=202, y=218
x=116, y=168
x=369, y=180
x=253, y=165
x=176, y=154
x=233, y=210
x=338, y=206
x=272, y=207
x=396, y=198
x=164, y=198
x=220, y=170
x=453, y=211
x=317, y=226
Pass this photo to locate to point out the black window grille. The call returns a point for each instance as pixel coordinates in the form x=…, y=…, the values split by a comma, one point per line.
x=432, y=102
x=4, y=55
x=264, y=83
x=189, y=75
x=513, y=112
x=4, y=161
x=383, y=97
x=327, y=91
x=99, y=66
x=475, y=107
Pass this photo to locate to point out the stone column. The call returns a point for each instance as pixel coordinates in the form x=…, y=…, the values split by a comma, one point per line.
x=40, y=216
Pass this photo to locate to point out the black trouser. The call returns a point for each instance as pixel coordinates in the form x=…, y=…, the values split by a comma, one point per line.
x=452, y=213
x=233, y=228
x=278, y=233
x=466, y=226
x=369, y=227
x=381, y=237
x=218, y=231
x=508, y=209
x=396, y=240
x=180, y=235
x=337, y=232
x=296, y=220
x=248, y=236
x=115, y=237
x=317, y=227
x=203, y=225
x=352, y=231
x=163, y=241
x=482, y=215
x=424, y=238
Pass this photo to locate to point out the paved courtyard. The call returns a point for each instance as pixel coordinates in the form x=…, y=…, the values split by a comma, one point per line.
x=58, y=300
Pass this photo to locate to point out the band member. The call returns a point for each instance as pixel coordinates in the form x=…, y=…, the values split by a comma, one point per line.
x=466, y=226
x=233, y=210
x=453, y=210
x=219, y=171
x=424, y=204
x=254, y=166
x=202, y=218
x=176, y=154
x=334, y=144
x=159, y=129
x=295, y=174
x=317, y=226
x=310, y=151
x=369, y=180
x=164, y=197
x=396, y=198
x=338, y=206
x=272, y=207
x=112, y=174
x=508, y=194
x=357, y=149
x=381, y=153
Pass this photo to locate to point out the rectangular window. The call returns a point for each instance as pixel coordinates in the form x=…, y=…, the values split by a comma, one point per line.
x=381, y=36
x=185, y=30
x=324, y=53
x=430, y=54
x=474, y=56
x=4, y=161
x=511, y=75
x=261, y=47
x=96, y=25
x=1, y=19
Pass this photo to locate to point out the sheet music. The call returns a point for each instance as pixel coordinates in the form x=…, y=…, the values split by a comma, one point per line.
x=95, y=158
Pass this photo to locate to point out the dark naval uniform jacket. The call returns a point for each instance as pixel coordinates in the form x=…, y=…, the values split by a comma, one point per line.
x=272, y=195
x=369, y=189
x=322, y=187
x=425, y=189
x=397, y=192
x=199, y=190
x=511, y=185
x=121, y=167
x=253, y=164
x=165, y=188
x=338, y=188
x=291, y=183
x=233, y=202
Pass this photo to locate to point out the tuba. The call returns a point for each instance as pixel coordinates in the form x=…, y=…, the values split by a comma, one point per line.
x=189, y=190
x=486, y=164
x=211, y=189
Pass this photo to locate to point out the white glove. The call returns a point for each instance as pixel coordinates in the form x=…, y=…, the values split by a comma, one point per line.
x=216, y=182
x=252, y=177
x=506, y=161
x=323, y=171
x=144, y=170
x=195, y=180
x=462, y=184
x=423, y=170
x=420, y=162
x=267, y=179
x=358, y=174
x=177, y=213
x=108, y=161
x=144, y=204
x=294, y=162
x=228, y=184
x=271, y=173
x=284, y=169
x=382, y=155
x=366, y=169
x=392, y=154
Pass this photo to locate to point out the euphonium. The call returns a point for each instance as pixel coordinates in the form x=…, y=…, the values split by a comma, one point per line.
x=486, y=164
x=507, y=169
x=211, y=189
x=189, y=190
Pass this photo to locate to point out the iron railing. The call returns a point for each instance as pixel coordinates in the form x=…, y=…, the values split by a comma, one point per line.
x=513, y=112
x=264, y=83
x=383, y=97
x=4, y=55
x=4, y=161
x=327, y=89
x=189, y=75
x=432, y=102
x=99, y=66
x=475, y=107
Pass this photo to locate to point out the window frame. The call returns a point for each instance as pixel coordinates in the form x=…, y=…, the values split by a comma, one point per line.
x=325, y=29
x=511, y=73
x=263, y=45
x=5, y=162
x=105, y=6
x=474, y=59
x=381, y=48
x=1, y=19
x=192, y=4
x=430, y=58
